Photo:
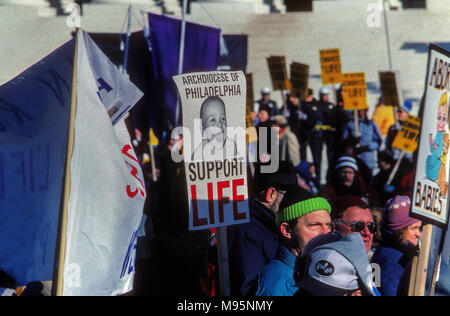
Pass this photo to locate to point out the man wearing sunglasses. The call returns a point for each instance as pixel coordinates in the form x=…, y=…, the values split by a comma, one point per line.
x=352, y=215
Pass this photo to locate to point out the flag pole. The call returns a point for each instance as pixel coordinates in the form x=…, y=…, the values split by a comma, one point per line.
x=181, y=57
x=127, y=43
x=224, y=269
x=58, y=275
x=386, y=29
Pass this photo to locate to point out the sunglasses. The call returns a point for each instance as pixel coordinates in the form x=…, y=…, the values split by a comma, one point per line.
x=359, y=226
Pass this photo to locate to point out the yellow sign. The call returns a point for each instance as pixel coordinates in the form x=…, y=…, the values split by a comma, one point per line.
x=252, y=135
x=299, y=80
x=407, y=138
x=354, y=91
x=389, y=88
x=278, y=73
x=330, y=62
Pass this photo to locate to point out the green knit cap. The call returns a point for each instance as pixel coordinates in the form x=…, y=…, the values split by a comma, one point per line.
x=297, y=203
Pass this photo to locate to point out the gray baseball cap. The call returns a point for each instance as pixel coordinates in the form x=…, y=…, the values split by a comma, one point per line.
x=338, y=268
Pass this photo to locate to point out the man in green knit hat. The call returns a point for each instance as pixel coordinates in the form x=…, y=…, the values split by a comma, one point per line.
x=302, y=216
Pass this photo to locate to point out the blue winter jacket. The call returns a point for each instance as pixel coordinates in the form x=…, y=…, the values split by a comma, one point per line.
x=250, y=247
x=393, y=259
x=277, y=277
x=370, y=137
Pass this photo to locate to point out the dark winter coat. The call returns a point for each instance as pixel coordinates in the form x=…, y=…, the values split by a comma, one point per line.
x=251, y=246
x=393, y=259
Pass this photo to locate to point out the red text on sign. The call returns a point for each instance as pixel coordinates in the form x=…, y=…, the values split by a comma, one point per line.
x=222, y=200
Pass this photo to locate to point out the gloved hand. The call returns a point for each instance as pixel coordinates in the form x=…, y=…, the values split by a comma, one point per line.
x=389, y=188
x=301, y=116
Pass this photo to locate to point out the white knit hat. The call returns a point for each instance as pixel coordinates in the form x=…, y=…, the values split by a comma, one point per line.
x=346, y=161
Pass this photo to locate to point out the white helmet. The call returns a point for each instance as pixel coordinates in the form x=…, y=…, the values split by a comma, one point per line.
x=265, y=90
x=324, y=91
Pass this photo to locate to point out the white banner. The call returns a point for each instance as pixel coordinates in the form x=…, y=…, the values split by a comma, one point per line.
x=107, y=191
x=214, y=108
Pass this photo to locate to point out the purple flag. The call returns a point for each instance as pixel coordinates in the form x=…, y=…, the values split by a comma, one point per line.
x=201, y=53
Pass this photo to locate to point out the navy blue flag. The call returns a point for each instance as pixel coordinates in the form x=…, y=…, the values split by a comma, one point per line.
x=234, y=55
x=34, y=120
x=201, y=53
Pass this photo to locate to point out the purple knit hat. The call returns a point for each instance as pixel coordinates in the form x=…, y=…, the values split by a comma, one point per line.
x=397, y=213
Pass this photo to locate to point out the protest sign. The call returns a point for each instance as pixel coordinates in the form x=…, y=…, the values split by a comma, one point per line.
x=430, y=195
x=214, y=106
x=439, y=79
x=299, y=80
x=354, y=91
x=407, y=138
x=278, y=73
x=389, y=88
x=330, y=62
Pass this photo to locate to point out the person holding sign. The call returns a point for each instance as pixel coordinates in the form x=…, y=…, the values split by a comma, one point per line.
x=329, y=124
x=386, y=164
x=319, y=116
x=252, y=245
x=370, y=138
x=303, y=216
x=402, y=115
x=398, y=246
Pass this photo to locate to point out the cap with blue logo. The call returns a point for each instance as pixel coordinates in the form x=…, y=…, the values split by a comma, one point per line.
x=337, y=268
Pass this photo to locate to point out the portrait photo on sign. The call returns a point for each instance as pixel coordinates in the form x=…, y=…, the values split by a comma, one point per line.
x=214, y=125
x=214, y=113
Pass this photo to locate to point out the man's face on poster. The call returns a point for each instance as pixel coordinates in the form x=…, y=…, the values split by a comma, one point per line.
x=214, y=121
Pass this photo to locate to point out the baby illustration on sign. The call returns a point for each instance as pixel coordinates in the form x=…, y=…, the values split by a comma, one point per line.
x=439, y=146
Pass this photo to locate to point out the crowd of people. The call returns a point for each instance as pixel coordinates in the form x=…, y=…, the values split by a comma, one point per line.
x=309, y=233
x=302, y=217
x=314, y=234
